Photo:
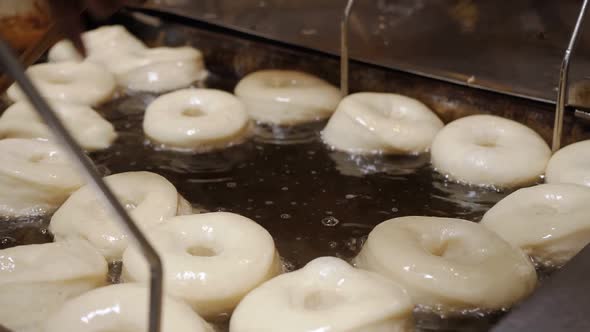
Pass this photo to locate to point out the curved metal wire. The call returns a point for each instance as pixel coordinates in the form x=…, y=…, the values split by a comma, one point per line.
x=563, y=79
x=10, y=65
x=344, y=48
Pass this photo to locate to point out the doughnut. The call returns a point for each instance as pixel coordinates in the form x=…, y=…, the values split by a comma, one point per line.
x=79, y=83
x=570, y=165
x=103, y=40
x=36, y=279
x=196, y=119
x=158, y=69
x=90, y=130
x=549, y=222
x=135, y=66
x=201, y=253
x=149, y=198
x=121, y=308
x=448, y=265
x=35, y=177
x=326, y=295
x=381, y=123
x=489, y=150
x=287, y=97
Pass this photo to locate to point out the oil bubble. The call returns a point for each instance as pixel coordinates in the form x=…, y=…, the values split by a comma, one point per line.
x=330, y=221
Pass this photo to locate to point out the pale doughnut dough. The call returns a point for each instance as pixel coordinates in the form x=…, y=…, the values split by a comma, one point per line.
x=36, y=279
x=136, y=67
x=326, y=295
x=148, y=197
x=490, y=150
x=211, y=260
x=550, y=222
x=79, y=83
x=35, y=177
x=121, y=308
x=158, y=69
x=381, y=123
x=287, y=97
x=448, y=264
x=90, y=130
x=571, y=164
x=103, y=40
x=196, y=119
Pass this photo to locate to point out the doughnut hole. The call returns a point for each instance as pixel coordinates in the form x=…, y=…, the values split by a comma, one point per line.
x=486, y=139
x=193, y=112
x=59, y=79
x=317, y=300
x=397, y=113
x=48, y=158
x=201, y=251
x=131, y=202
x=438, y=247
x=129, y=205
x=452, y=248
x=38, y=158
x=282, y=82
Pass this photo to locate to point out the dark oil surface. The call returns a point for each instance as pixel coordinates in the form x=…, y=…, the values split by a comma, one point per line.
x=314, y=201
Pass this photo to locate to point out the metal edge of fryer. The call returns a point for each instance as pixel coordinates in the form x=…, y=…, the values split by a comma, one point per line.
x=525, y=65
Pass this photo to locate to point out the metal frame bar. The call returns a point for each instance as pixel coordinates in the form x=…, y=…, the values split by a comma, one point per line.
x=11, y=66
x=344, y=57
x=562, y=88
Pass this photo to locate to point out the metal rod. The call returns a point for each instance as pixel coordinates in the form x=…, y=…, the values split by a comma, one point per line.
x=10, y=65
x=563, y=79
x=344, y=48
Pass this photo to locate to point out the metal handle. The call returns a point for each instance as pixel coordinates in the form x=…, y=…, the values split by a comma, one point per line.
x=10, y=65
x=344, y=48
x=563, y=79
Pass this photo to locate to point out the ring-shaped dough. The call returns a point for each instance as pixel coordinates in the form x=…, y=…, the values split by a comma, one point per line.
x=122, y=308
x=196, y=119
x=90, y=130
x=200, y=254
x=79, y=83
x=102, y=40
x=381, y=123
x=35, y=177
x=491, y=151
x=287, y=97
x=149, y=198
x=570, y=165
x=448, y=265
x=135, y=66
x=36, y=279
x=326, y=295
x=158, y=69
x=550, y=222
